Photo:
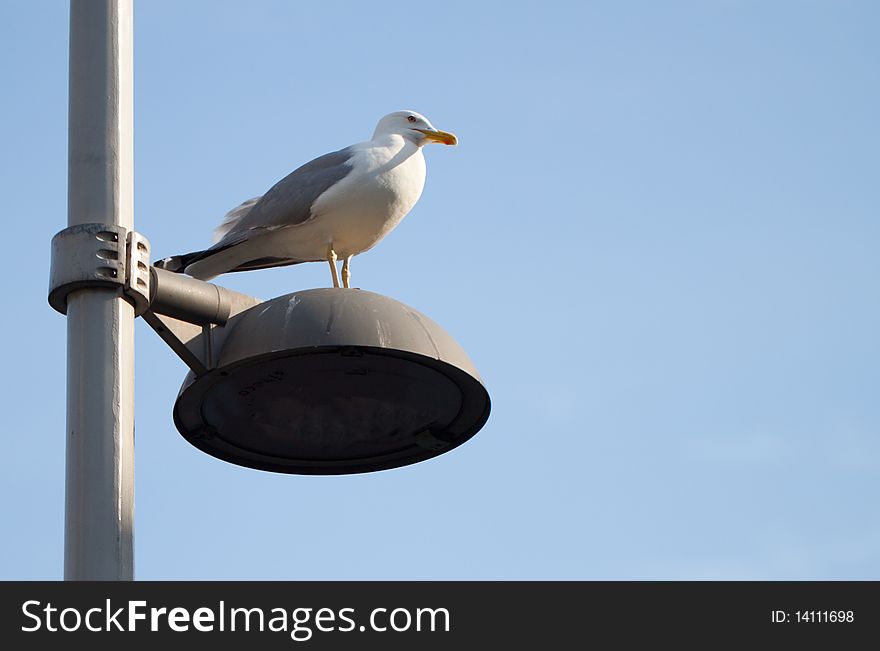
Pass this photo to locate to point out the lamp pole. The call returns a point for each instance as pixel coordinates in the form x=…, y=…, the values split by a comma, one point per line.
x=99, y=501
x=380, y=355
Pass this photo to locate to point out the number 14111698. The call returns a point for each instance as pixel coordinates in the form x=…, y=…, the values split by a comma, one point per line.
x=821, y=616
x=812, y=616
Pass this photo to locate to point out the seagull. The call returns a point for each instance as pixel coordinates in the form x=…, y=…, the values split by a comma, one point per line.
x=336, y=206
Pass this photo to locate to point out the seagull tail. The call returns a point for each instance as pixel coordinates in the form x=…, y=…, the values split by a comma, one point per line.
x=179, y=263
x=209, y=268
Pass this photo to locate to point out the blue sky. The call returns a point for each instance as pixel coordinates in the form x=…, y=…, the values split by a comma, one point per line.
x=657, y=240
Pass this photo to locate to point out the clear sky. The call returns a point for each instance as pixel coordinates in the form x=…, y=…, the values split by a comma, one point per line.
x=658, y=241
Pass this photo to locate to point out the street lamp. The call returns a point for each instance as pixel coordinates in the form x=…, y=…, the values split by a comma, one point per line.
x=320, y=381
x=332, y=381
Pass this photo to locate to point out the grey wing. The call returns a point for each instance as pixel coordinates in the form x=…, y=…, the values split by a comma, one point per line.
x=289, y=202
x=233, y=217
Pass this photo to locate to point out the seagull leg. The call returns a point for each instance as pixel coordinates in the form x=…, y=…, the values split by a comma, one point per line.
x=331, y=258
x=346, y=272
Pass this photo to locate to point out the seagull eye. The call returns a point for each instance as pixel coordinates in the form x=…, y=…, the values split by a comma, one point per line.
x=411, y=118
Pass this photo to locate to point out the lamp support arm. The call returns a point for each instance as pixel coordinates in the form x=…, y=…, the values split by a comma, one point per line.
x=192, y=316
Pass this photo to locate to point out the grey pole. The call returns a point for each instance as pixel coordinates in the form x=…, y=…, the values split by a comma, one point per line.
x=99, y=501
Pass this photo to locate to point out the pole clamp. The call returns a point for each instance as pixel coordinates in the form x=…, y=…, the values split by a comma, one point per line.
x=100, y=255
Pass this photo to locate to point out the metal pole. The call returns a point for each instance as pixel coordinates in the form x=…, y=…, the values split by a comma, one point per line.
x=100, y=323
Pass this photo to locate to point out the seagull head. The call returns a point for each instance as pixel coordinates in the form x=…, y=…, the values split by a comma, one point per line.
x=414, y=127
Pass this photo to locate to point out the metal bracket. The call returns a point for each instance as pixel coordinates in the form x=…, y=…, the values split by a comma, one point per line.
x=189, y=315
x=193, y=317
x=100, y=255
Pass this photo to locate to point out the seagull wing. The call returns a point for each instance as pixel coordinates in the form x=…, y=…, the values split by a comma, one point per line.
x=287, y=203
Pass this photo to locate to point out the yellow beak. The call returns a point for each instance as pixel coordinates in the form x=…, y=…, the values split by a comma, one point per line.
x=440, y=136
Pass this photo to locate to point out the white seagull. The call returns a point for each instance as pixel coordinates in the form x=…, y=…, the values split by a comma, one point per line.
x=336, y=206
